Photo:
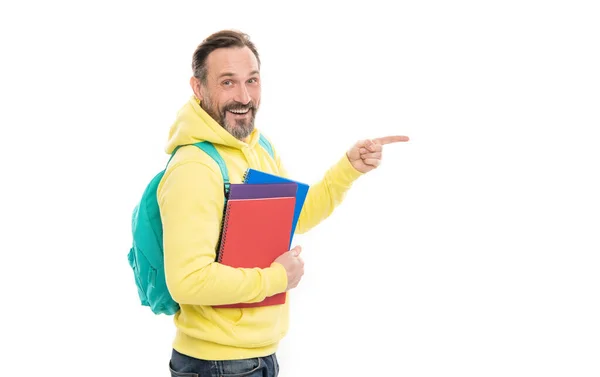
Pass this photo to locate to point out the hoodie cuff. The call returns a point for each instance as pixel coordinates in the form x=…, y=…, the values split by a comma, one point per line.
x=277, y=279
x=343, y=173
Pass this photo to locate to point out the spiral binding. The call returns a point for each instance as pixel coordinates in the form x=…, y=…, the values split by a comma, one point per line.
x=246, y=175
x=223, y=237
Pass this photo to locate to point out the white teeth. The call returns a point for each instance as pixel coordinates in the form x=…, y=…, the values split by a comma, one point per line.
x=239, y=111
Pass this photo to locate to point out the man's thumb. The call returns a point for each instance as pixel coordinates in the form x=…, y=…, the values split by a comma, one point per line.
x=296, y=251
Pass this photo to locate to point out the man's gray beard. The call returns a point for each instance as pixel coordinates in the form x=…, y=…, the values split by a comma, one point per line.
x=240, y=132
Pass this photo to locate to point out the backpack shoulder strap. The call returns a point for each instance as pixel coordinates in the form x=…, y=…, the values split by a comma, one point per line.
x=266, y=145
x=210, y=150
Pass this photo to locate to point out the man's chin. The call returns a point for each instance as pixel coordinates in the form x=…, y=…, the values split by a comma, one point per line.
x=239, y=131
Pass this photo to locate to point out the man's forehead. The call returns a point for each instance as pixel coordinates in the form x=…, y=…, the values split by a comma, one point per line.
x=234, y=61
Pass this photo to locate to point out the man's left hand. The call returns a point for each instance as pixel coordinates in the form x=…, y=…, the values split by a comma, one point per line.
x=365, y=155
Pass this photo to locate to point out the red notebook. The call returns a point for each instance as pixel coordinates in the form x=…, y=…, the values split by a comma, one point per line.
x=256, y=232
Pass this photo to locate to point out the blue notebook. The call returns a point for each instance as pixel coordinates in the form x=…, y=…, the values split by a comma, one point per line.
x=254, y=176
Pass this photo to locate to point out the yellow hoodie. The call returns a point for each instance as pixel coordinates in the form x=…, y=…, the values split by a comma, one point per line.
x=191, y=202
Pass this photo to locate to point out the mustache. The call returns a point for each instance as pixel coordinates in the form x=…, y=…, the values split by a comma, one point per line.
x=238, y=106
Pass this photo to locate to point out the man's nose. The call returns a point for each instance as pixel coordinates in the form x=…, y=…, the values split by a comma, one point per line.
x=242, y=95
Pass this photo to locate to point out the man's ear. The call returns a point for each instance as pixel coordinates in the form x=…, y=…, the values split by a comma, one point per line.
x=196, y=87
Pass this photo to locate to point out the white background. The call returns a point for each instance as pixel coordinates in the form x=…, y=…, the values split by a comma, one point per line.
x=472, y=251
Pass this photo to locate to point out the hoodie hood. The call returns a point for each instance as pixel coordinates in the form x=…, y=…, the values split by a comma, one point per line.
x=193, y=124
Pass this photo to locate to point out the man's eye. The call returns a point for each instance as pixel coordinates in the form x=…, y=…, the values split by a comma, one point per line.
x=252, y=81
x=227, y=82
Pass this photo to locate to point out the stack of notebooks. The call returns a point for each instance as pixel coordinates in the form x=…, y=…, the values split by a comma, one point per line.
x=259, y=222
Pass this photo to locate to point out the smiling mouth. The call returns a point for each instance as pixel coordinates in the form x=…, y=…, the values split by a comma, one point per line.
x=239, y=111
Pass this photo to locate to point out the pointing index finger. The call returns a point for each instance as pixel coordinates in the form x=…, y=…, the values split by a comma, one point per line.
x=390, y=139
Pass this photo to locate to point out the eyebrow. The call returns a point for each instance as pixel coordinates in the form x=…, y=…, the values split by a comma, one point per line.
x=229, y=74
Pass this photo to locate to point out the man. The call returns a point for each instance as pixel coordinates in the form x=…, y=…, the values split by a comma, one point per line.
x=221, y=341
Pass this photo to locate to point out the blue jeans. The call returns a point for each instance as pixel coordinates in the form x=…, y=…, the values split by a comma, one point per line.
x=187, y=366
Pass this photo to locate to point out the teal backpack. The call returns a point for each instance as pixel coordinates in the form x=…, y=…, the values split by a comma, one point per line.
x=146, y=256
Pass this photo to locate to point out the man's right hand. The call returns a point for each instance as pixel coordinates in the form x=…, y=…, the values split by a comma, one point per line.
x=294, y=266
